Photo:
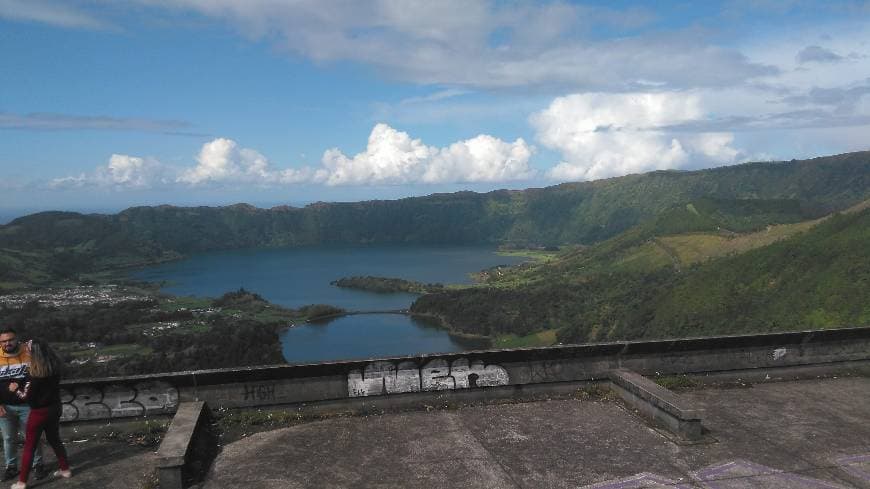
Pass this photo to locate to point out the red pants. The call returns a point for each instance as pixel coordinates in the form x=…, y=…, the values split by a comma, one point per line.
x=41, y=420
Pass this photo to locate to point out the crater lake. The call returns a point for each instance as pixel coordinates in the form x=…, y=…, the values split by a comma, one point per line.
x=296, y=277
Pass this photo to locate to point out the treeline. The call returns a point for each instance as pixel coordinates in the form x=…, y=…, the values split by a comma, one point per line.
x=588, y=212
x=614, y=304
x=386, y=285
x=818, y=279
x=98, y=322
x=244, y=332
x=227, y=343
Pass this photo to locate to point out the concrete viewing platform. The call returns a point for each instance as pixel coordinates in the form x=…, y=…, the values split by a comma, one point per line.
x=783, y=434
x=476, y=419
x=793, y=434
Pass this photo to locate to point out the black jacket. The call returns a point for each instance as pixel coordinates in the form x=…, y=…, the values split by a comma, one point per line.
x=40, y=392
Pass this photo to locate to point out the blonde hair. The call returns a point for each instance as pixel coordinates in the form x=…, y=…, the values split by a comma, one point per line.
x=44, y=362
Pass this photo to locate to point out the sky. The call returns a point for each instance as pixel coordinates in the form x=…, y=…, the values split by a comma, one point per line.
x=107, y=104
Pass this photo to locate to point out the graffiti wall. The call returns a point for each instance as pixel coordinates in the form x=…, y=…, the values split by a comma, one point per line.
x=117, y=400
x=384, y=377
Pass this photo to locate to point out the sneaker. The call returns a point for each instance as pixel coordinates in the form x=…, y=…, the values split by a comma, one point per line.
x=40, y=472
x=11, y=471
x=19, y=485
x=66, y=474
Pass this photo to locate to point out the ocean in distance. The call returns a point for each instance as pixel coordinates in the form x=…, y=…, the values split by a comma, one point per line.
x=296, y=277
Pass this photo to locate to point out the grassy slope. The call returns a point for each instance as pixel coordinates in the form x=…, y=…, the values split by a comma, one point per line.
x=800, y=275
x=681, y=236
x=816, y=279
x=691, y=248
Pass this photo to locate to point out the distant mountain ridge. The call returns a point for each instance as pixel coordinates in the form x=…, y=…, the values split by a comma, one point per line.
x=51, y=244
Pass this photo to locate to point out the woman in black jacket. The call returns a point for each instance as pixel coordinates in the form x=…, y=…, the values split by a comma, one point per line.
x=41, y=390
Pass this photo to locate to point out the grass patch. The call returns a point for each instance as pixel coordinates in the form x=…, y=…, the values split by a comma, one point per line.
x=184, y=302
x=275, y=316
x=642, y=258
x=677, y=382
x=11, y=286
x=594, y=392
x=125, y=349
x=195, y=327
x=234, y=424
x=121, y=350
x=535, y=255
x=247, y=419
x=695, y=248
x=541, y=338
x=148, y=433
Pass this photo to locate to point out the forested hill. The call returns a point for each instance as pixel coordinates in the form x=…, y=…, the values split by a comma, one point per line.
x=808, y=275
x=584, y=212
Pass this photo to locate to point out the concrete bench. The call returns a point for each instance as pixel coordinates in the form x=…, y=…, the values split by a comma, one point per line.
x=658, y=403
x=174, y=454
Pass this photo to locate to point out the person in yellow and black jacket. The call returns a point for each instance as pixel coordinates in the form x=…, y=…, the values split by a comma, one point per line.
x=42, y=393
x=14, y=362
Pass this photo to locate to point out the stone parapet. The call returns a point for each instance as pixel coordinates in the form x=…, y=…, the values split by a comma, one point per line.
x=349, y=381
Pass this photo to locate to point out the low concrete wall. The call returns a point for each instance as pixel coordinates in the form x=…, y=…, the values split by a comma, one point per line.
x=119, y=397
x=660, y=405
x=187, y=448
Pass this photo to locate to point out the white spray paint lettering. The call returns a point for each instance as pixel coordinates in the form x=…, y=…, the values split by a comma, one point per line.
x=383, y=377
x=117, y=400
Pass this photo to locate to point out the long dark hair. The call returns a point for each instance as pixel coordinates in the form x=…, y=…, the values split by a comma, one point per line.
x=44, y=362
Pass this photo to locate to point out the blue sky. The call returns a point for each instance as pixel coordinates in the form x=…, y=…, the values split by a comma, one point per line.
x=107, y=104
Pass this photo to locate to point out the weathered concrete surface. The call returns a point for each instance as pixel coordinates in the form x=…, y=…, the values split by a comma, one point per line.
x=174, y=454
x=803, y=434
x=658, y=404
x=101, y=464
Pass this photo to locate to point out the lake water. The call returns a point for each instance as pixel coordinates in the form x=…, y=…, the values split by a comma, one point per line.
x=301, y=276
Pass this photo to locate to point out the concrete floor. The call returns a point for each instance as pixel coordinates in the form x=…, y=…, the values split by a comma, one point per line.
x=800, y=434
x=100, y=464
x=797, y=434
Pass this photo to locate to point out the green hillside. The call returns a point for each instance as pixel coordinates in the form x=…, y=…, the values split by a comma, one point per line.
x=682, y=235
x=55, y=246
x=811, y=275
x=816, y=279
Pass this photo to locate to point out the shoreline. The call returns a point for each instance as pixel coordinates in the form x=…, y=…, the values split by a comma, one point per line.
x=434, y=320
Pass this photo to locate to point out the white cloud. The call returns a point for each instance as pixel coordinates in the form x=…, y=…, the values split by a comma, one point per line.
x=49, y=13
x=130, y=172
x=486, y=44
x=74, y=181
x=603, y=135
x=715, y=146
x=392, y=157
x=121, y=172
x=221, y=160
